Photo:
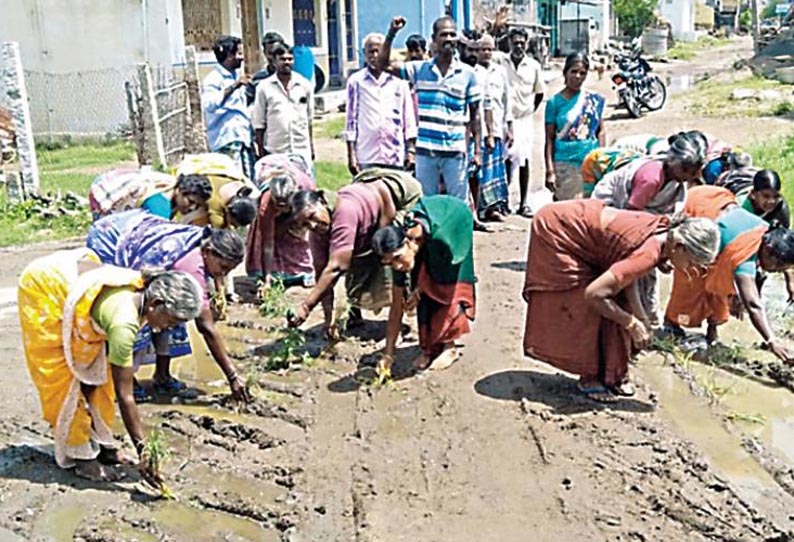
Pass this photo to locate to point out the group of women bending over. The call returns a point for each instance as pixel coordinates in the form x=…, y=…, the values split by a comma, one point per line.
x=90, y=317
x=687, y=203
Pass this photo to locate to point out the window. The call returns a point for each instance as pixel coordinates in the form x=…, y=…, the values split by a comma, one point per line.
x=304, y=22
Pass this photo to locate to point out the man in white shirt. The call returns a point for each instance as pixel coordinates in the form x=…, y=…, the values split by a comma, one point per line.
x=283, y=110
x=524, y=75
x=492, y=196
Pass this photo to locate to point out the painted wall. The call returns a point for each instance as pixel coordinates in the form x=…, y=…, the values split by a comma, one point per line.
x=376, y=15
x=598, y=15
x=78, y=50
x=681, y=14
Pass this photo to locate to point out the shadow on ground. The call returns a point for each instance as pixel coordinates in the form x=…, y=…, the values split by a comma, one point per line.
x=515, y=265
x=554, y=390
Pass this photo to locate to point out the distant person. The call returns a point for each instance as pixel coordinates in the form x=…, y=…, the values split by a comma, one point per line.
x=416, y=46
x=269, y=42
x=449, y=101
x=225, y=105
x=492, y=194
x=283, y=110
x=574, y=127
x=525, y=79
x=380, y=124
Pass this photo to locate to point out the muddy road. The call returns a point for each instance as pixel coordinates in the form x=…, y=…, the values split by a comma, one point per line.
x=497, y=447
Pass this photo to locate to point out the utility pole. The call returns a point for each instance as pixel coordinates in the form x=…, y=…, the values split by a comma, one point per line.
x=756, y=27
x=252, y=49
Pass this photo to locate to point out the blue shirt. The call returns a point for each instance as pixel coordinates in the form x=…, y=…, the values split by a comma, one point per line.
x=444, y=102
x=228, y=121
x=732, y=224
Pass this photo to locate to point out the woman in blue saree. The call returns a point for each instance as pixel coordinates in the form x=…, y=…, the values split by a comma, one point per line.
x=574, y=127
x=139, y=240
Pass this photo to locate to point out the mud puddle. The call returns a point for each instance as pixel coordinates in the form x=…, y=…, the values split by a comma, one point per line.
x=186, y=523
x=59, y=522
x=694, y=418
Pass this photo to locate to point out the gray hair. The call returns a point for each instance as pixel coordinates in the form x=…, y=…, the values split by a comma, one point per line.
x=180, y=294
x=282, y=186
x=226, y=244
x=699, y=236
x=372, y=36
x=688, y=148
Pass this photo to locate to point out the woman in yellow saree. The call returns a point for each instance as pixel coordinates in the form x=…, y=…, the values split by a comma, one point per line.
x=79, y=320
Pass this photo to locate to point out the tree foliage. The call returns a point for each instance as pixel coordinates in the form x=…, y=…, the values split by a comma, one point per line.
x=770, y=9
x=634, y=15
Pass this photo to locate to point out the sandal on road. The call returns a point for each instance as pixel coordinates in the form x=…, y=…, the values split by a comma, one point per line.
x=598, y=393
x=525, y=211
x=168, y=387
x=624, y=389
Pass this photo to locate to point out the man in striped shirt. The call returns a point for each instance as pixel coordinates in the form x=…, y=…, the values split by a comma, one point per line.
x=449, y=100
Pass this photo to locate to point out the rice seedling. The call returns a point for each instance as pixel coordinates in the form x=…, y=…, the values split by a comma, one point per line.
x=273, y=300
x=157, y=453
x=735, y=416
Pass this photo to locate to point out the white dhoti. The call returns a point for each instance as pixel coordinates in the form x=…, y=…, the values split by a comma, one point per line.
x=520, y=152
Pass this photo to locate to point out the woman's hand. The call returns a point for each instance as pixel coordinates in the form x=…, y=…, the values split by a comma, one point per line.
x=736, y=307
x=297, y=317
x=412, y=301
x=551, y=181
x=784, y=353
x=639, y=333
x=239, y=392
x=145, y=467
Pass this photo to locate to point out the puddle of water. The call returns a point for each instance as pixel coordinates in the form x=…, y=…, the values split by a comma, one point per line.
x=258, y=491
x=748, y=398
x=693, y=419
x=186, y=523
x=678, y=83
x=59, y=522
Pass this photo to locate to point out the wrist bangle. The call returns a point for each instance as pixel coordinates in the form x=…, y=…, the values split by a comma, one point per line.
x=391, y=35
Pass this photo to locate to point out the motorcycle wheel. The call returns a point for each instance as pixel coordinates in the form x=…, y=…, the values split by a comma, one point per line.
x=656, y=95
x=632, y=105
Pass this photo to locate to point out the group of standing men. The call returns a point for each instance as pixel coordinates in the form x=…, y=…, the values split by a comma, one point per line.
x=461, y=123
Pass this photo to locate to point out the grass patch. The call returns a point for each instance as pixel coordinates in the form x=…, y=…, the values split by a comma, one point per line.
x=107, y=154
x=330, y=128
x=60, y=169
x=21, y=224
x=686, y=50
x=712, y=98
x=776, y=154
x=331, y=175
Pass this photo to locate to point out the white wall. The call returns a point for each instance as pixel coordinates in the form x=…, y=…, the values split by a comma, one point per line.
x=77, y=54
x=278, y=17
x=681, y=14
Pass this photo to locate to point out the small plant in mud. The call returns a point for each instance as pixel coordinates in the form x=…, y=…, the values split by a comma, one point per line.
x=666, y=344
x=273, y=300
x=343, y=310
x=682, y=358
x=712, y=389
x=744, y=417
x=156, y=454
x=722, y=355
x=251, y=379
x=288, y=350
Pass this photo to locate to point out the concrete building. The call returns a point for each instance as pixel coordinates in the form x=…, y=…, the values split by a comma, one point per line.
x=681, y=14
x=584, y=25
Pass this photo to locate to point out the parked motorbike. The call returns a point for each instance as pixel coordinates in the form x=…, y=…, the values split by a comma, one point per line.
x=635, y=85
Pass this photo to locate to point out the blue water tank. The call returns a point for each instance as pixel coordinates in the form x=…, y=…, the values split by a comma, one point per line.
x=304, y=61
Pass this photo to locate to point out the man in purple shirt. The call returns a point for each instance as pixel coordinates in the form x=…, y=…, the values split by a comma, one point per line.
x=380, y=127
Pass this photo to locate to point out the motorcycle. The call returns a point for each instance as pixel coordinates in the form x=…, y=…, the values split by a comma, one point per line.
x=635, y=85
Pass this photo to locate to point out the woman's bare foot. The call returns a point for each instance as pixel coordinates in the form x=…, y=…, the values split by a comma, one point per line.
x=422, y=362
x=95, y=471
x=111, y=456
